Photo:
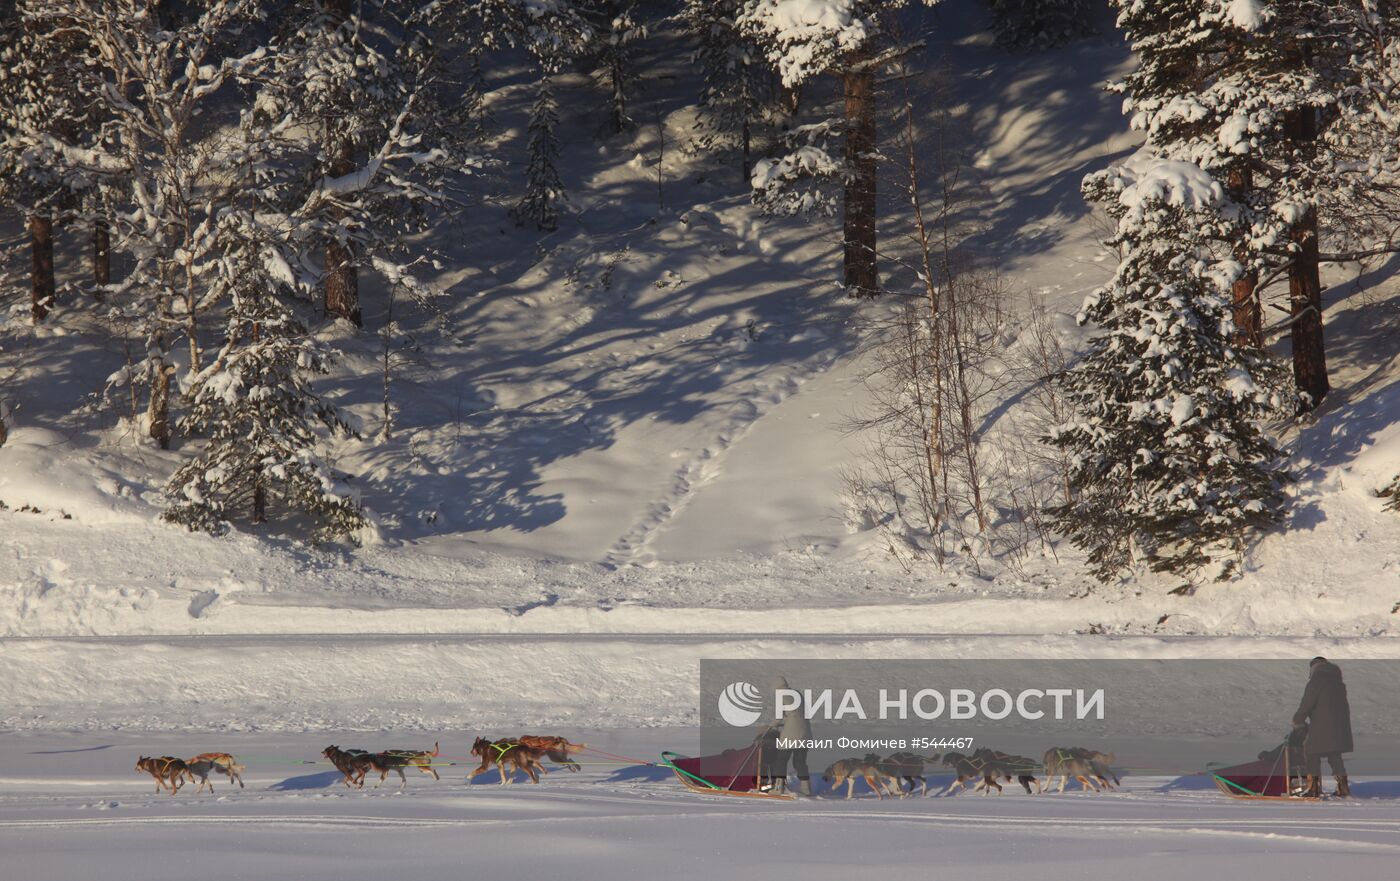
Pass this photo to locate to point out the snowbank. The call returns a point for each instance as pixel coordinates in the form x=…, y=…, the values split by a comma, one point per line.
x=57, y=478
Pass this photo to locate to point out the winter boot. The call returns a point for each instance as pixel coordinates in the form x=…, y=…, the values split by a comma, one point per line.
x=1314, y=788
x=780, y=785
x=804, y=786
x=1343, y=788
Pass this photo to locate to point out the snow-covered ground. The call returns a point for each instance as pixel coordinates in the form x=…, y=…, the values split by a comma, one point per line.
x=643, y=413
x=72, y=808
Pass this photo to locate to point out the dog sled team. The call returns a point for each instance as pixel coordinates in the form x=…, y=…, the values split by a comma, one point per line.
x=171, y=773
x=509, y=756
x=890, y=775
x=525, y=753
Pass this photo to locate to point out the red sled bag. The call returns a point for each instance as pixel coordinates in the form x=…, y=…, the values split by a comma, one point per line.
x=1276, y=774
x=732, y=772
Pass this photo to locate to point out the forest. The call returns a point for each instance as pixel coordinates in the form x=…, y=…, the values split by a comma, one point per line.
x=238, y=234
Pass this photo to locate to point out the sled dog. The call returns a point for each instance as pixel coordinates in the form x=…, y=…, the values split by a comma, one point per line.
x=556, y=749
x=1007, y=766
x=386, y=762
x=1089, y=767
x=201, y=766
x=168, y=771
x=848, y=770
x=971, y=767
x=499, y=753
x=908, y=768
x=421, y=759
x=352, y=763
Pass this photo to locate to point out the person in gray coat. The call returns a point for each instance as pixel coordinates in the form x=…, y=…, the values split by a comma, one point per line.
x=793, y=726
x=1324, y=709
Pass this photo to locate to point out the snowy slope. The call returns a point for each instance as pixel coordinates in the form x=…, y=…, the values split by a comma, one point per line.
x=634, y=424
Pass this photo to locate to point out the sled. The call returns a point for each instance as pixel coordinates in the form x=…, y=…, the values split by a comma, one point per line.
x=732, y=772
x=1275, y=776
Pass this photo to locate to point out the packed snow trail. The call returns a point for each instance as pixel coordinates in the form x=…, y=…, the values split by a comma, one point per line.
x=71, y=809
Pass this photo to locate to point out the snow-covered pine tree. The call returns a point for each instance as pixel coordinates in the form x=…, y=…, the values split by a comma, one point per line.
x=1170, y=463
x=737, y=95
x=474, y=117
x=846, y=38
x=263, y=421
x=617, y=26
x=1243, y=89
x=158, y=88
x=1365, y=138
x=552, y=31
x=360, y=75
x=338, y=88
x=1040, y=24
x=40, y=98
x=544, y=191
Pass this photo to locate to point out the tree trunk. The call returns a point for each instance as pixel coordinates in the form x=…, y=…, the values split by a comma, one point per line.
x=259, y=500
x=101, y=255
x=861, y=272
x=1244, y=297
x=1305, y=282
x=1248, y=315
x=744, y=136
x=619, y=97
x=342, y=283
x=41, y=273
x=1305, y=307
x=790, y=98
x=158, y=412
x=157, y=355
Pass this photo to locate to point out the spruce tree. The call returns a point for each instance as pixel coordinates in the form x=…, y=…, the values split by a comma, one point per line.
x=1243, y=89
x=617, y=27
x=552, y=32
x=359, y=76
x=41, y=99
x=848, y=39
x=263, y=421
x=737, y=94
x=1170, y=462
x=543, y=189
x=1040, y=24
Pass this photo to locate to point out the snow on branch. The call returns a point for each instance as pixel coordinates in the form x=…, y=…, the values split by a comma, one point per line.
x=799, y=182
x=804, y=38
x=1248, y=15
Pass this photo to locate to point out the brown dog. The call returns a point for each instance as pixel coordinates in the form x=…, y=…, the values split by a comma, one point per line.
x=909, y=768
x=970, y=768
x=1000, y=764
x=386, y=762
x=847, y=771
x=201, y=766
x=168, y=771
x=556, y=749
x=353, y=763
x=499, y=753
x=1089, y=767
x=420, y=759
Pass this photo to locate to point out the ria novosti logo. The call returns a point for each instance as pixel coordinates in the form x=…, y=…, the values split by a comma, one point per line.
x=740, y=704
